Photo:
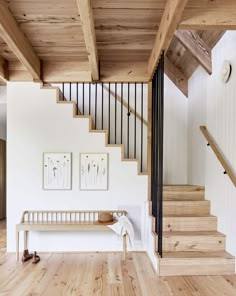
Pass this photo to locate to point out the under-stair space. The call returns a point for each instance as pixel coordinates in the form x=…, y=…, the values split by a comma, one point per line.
x=191, y=243
x=117, y=109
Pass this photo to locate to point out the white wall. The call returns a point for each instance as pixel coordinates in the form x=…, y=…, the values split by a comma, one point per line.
x=197, y=117
x=175, y=135
x=36, y=124
x=3, y=112
x=175, y=123
x=220, y=110
x=70, y=92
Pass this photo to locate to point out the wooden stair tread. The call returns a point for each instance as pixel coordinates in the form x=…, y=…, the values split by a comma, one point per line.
x=186, y=201
x=183, y=196
x=188, y=216
x=129, y=159
x=184, y=188
x=189, y=254
x=192, y=233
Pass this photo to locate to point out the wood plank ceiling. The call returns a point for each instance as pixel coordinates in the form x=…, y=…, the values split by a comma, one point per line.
x=123, y=38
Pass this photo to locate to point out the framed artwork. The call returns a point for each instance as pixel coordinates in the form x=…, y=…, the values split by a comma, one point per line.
x=57, y=171
x=93, y=171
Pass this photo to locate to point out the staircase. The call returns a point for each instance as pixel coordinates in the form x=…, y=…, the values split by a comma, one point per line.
x=191, y=243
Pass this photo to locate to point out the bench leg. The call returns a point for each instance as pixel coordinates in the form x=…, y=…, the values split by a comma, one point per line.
x=124, y=246
x=17, y=245
x=25, y=240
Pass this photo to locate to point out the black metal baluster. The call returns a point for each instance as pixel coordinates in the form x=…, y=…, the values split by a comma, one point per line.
x=135, y=110
x=141, y=168
x=115, y=107
x=89, y=98
x=153, y=154
x=157, y=150
x=121, y=121
x=83, y=98
x=160, y=181
x=63, y=91
x=96, y=89
x=70, y=91
x=128, y=114
x=102, y=105
x=77, y=98
x=109, y=112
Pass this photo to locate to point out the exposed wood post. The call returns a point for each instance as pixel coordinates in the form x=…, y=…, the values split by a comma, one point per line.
x=124, y=246
x=25, y=240
x=169, y=22
x=17, y=245
x=17, y=42
x=197, y=47
x=176, y=76
x=149, y=139
x=3, y=69
x=86, y=16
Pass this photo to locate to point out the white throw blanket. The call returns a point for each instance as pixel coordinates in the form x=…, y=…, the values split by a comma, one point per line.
x=123, y=226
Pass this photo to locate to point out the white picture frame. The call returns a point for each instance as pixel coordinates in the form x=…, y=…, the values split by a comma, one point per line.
x=93, y=171
x=57, y=171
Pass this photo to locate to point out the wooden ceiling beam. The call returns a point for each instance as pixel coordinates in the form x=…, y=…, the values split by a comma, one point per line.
x=176, y=76
x=87, y=22
x=17, y=42
x=197, y=47
x=3, y=69
x=209, y=15
x=169, y=22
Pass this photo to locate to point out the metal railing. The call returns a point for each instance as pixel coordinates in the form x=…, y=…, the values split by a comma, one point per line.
x=157, y=150
x=117, y=108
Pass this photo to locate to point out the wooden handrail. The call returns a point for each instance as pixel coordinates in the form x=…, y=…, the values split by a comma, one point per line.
x=218, y=154
x=129, y=108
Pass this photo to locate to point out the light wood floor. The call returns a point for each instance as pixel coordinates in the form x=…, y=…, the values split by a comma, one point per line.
x=99, y=274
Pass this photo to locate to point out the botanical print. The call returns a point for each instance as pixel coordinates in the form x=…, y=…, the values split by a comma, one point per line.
x=57, y=171
x=93, y=171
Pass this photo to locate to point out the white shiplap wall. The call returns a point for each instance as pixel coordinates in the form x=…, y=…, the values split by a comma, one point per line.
x=220, y=113
x=3, y=112
x=175, y=135
x=197, y=117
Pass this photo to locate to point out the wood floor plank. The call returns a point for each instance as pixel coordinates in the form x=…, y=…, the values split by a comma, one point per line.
x=101, y=274
x=130, y=279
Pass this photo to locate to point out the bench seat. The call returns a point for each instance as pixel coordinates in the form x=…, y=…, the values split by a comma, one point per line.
x=63, y=221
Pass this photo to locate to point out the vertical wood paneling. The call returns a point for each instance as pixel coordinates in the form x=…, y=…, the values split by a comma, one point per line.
x=196, y=118
x=221, y=123
x=175, y=135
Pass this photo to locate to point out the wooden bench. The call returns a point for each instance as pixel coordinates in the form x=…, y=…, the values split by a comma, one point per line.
x=62, y=221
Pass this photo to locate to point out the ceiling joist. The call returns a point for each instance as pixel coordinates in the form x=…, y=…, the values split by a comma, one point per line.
x=176, y=76
x=3, y=69
x=17, y=42
x=169, y=22
x=87, y=22
x=197, y=47
x=209, y=15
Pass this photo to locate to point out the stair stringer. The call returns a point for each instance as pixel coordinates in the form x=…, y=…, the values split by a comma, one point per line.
x=151, y=241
